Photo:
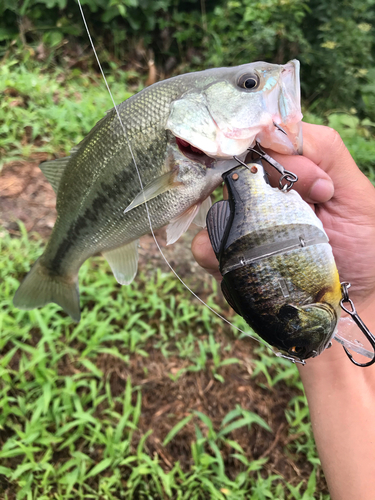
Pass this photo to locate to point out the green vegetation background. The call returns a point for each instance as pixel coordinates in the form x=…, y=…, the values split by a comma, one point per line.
x=64, y=433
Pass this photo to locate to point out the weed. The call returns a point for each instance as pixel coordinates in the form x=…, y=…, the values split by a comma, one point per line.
x=66, y=428
x=37, y=109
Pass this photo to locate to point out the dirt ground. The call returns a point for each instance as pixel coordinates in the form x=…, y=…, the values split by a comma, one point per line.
x=26, y=195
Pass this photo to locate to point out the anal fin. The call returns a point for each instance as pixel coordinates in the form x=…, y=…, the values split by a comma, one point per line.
x=123, y=262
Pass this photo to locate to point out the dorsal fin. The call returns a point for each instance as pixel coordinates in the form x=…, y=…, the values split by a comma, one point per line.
x=74, y=149
x=217, y=219
x=53, y=171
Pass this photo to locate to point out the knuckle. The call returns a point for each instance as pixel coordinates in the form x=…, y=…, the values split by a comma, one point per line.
x=333, y=138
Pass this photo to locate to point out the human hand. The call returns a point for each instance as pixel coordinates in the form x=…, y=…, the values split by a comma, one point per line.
x=344, y=200
x=340, y=394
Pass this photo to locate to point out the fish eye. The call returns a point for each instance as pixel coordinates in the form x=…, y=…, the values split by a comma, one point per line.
x=248, y=81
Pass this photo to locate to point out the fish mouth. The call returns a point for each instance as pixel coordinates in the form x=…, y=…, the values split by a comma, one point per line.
x=279, y=137
x=194, y=153
x=284, y=138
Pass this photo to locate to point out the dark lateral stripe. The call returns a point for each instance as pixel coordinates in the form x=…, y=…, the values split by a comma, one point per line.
x=258, y=253
x=91, y=217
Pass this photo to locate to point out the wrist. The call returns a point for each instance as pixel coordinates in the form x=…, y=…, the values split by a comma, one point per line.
x=366, y=311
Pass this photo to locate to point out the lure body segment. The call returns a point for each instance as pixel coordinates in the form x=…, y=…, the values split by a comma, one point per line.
x=278, y=268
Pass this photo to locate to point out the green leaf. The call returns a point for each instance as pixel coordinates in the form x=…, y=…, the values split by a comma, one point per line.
x=237, y=412
x=91, y=367
x=234, y=445
x=251, y=418
x=230, y=361
x=171, y=434
x=47, y=396
x=21, y=469
x=104, y=464
x=205, y=419
x=6, y=471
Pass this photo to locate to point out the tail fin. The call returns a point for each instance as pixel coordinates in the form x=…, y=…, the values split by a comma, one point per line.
x=39, y=288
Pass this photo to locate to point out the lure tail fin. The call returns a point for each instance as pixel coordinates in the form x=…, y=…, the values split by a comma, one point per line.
x=40, y=287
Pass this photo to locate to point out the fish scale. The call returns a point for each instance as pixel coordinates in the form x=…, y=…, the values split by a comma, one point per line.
x=100, y=202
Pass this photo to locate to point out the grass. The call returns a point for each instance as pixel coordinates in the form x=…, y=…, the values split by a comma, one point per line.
x=68, y=431
x=149, y=396
x=52, y=111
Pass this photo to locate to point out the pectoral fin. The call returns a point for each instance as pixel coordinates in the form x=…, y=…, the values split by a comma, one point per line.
x=158, y=186
x=200, y=218
x=124, y=262
x=217, y=220
x=181, y=223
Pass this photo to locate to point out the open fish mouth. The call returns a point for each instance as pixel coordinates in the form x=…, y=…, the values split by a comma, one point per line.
x=194, y=153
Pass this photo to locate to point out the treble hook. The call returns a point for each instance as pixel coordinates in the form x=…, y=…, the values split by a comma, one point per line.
x=353, y=313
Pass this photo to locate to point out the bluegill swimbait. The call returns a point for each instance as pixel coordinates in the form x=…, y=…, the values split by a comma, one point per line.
x=278, y=269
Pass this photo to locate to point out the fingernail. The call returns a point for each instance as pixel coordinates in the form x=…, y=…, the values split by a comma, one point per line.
x=322, y=190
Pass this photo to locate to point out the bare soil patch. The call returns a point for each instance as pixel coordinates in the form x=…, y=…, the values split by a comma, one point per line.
x=26, y=195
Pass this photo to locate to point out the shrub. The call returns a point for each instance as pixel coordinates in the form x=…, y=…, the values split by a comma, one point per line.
x=334, y=39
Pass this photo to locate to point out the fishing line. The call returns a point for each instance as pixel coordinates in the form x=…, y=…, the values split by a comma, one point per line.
x=146, y=205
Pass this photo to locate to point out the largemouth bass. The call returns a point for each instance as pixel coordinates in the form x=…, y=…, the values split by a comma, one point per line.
x=278, y=269
x=182, y=134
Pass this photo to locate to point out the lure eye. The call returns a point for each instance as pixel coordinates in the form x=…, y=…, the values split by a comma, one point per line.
x=296, y=349
x=248, y=81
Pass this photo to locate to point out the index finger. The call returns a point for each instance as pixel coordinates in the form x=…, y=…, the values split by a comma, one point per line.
x=324, y=146
x=324, y=149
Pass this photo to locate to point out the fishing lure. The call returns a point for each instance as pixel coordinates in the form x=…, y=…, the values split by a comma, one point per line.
x=278, y=268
